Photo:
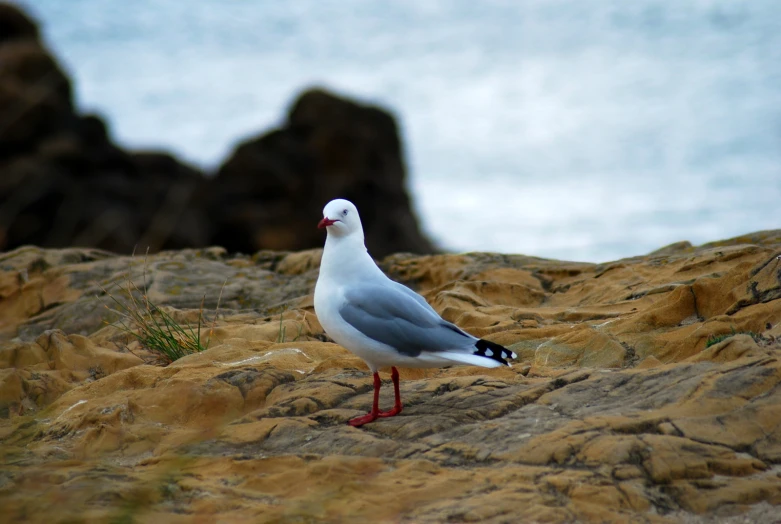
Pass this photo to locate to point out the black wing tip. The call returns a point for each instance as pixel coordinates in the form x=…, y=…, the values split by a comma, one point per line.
x=494, y=351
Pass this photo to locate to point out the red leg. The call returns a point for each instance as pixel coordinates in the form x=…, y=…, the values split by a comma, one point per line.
x=364, y=419
x=397, y=404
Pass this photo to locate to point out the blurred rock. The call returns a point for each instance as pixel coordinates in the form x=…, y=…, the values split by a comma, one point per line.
x=270, y=193
x=65, y=183
x=35, y=98
x=16, y=25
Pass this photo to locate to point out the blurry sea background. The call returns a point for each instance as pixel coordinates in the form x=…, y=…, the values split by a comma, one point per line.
x=571, y=129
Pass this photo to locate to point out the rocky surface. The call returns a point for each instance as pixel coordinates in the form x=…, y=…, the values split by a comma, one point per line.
x=65, y=182
x=646, y=390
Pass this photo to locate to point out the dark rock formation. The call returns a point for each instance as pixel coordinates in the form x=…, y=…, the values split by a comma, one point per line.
x=15, y=25
x=271, y=192
x=64, y=183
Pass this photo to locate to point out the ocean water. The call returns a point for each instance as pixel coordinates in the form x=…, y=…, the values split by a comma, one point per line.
x=580, y=130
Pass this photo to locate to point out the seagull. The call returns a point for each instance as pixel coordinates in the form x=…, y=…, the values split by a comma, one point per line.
x=381, y=321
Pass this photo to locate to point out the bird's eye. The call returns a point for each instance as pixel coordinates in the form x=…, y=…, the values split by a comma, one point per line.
x=344, y=212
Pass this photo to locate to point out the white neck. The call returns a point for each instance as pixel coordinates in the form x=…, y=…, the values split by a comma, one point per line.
x=346, y=257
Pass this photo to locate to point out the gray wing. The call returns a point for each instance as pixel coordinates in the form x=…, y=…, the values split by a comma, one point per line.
x=419, y=299
x=401, y=319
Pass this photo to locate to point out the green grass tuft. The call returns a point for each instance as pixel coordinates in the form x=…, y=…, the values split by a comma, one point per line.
x=155, y=328
x=715, y=339
x=283, y=329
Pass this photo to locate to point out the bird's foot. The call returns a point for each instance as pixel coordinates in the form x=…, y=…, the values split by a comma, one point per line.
x=363, y=419
x=391, y=412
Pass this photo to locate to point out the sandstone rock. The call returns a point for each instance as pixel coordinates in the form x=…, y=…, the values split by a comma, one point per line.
x=673, y=249
x=584, y=347
x=36, y=374
x=616, y=410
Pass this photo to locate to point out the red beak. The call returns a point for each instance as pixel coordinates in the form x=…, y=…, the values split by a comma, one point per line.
x=325, y=222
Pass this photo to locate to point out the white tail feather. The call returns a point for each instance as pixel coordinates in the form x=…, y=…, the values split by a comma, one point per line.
x=470, y=360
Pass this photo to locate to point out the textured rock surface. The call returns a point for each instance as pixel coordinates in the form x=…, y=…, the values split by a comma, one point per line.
x=65, y=183
x=615, y=411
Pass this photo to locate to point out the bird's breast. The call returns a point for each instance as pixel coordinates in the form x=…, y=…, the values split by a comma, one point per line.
x=328, y=299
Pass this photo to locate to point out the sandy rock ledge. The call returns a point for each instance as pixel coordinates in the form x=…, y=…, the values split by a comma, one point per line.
x=646, y=390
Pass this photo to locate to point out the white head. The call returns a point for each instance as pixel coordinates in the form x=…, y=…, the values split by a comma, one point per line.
x=340, y=218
